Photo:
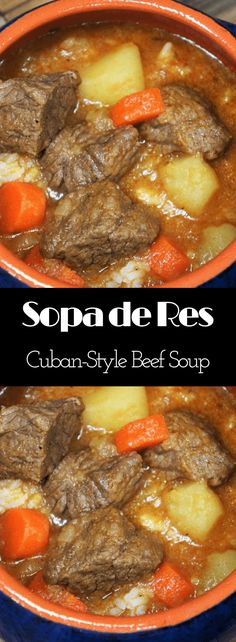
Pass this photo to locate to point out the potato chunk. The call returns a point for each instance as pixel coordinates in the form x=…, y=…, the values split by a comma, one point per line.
x=219, y=566
x=190, y=182
x=214, y=240
x=194, y=509
x=111, y=408
x=113, y=76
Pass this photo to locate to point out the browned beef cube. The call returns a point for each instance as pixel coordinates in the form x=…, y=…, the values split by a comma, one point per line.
x=63, y=150
x=81, y=156
x=188, y=124
x=33, y=110
x=35, y=437
x=96, y=225
x=85, y=481
x=192, y=450
x=100, y=550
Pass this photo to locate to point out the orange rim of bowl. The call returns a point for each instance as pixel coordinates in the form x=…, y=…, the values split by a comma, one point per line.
x=189, y=18
x=31, y=277
x=55, y=613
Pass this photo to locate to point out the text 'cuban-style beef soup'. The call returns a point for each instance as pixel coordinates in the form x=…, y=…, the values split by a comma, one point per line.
x=117, y=155
x=118, y=501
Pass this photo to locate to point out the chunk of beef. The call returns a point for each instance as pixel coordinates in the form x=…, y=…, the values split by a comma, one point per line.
x=35, y=437
x=97, y=224
x=85, y=481
x=81, y=156
x=66, y=147
x=188, y=124
x=192, y=450
x=34, y=109
x=100, y=550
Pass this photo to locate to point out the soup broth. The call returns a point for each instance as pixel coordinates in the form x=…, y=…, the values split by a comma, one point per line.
x=191, y=515
x=194, y=202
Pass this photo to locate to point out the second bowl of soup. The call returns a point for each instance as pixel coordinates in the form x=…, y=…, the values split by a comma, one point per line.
x=117, y=513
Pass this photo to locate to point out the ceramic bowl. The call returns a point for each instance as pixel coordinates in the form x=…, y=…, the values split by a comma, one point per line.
x=25, y=617
x=173, y=17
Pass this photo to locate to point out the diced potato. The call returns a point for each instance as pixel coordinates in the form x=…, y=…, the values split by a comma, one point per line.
x=115, y=75
x=194, y=509
x=214, y=240
x=219, y=566
x=111, y=408
x=190, y=182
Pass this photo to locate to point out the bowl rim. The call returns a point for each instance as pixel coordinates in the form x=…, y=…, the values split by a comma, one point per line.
x=20, y=594
x=37, y=17
x=30, y=277
x=196, y=607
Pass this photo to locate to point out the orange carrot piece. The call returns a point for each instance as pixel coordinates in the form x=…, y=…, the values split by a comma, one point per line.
x=35, y=260
x=138, y=107
x=72, y=602
x=167, y=261
x=53, y=268
x=56, y=594
x=39, y=586
x=67, y=275
x=23, y=532
x=140, y=434
x=22, y=207
x=170, y=586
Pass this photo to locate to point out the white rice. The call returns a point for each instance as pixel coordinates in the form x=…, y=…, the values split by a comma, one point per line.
x=135, y=601
x=132, y=275
x=15, y=493
x=14, y=167
x=167, y=52
x=73, y=47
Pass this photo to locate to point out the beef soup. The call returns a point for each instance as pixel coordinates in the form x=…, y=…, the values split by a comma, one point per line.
x=118, y=501
x=117, y=155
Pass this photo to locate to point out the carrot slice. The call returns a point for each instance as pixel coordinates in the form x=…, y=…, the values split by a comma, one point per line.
x=23, y=532
x=54, y=268
x=39, y=586
x=138, y=107
x=22, y=207
x=35, y=260
x=170, y=586
x=56, y=594
x=167, y=261
x=140, y=434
